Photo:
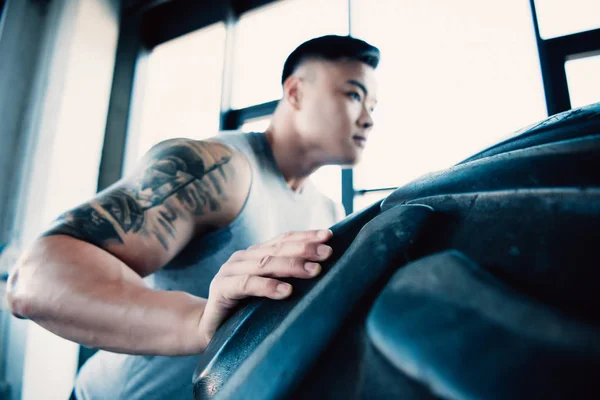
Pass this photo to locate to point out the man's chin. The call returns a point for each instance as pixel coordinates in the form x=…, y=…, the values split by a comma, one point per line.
x=348, y=159
x=353, y=160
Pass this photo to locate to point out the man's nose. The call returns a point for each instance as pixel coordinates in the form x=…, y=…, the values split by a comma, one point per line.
x=366, y=120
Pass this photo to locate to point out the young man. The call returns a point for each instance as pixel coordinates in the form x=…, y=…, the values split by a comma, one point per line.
x=197, y=218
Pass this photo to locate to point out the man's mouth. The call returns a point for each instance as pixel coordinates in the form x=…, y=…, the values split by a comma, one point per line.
x=360, y=141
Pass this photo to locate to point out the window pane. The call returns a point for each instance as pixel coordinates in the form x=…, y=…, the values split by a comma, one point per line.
x=562, y=17
x=182, y=96
x=328, y=180
x=583, y=77
x=454, y=78
x=364, y=200
x=266, y=36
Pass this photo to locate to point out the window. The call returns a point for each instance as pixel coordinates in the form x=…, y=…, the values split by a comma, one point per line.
x=328, y=180
x=69, y=120
x=583, y=77
x=562, y=17
x=453, y=80
x=182, y=93
x=266, y=36
x=364, y=200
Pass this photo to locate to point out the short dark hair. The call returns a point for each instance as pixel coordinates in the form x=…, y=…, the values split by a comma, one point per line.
x=331, y=48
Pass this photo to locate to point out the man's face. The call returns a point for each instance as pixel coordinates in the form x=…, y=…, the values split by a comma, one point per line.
x=335, y=105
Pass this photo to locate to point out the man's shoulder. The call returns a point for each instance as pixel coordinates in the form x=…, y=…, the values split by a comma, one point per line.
x=209, y=175
x=193, y=152
x=244, y=142
x=204, y=163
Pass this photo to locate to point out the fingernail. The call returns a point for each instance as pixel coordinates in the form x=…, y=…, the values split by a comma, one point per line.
x=283, y=288
x=311, y=267
x=323, y=234
x=323, y=250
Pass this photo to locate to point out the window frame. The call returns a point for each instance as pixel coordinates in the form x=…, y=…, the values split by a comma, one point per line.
x=553, y=54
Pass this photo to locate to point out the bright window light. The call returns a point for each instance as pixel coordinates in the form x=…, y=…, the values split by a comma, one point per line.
x=328, y=180
x=266, y=36
x=182, y=96
x=362, y=201
x=562, y=17
x=455, y=77
x=583, y=77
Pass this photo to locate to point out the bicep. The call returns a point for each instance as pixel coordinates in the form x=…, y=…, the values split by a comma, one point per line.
x=117, y=222
x=180, y=189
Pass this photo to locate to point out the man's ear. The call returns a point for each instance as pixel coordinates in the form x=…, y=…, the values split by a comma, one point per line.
x=292, y=91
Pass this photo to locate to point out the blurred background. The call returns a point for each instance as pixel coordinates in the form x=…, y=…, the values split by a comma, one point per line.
x=87, y=86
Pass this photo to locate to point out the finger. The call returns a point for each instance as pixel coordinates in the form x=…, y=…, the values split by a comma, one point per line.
x=318, y=235
x=275, y=267
x=274, y=245
x=238, y=255
x=310, y=251
x=239, y=287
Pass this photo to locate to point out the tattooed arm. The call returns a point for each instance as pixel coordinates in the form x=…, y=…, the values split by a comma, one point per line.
x=181, y=189
x=82, y=278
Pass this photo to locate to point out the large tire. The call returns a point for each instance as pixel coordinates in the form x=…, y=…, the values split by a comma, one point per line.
x=468, y=256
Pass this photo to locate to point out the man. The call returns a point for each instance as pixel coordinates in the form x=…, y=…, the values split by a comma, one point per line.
x=190, y=219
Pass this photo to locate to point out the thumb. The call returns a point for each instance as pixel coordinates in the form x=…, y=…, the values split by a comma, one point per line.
x=213, y=316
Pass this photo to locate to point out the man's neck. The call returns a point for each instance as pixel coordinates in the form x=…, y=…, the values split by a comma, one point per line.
x=292, y=159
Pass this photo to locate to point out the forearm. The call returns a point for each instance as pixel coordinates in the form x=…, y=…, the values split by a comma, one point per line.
x=88, y=296
x=128, y=319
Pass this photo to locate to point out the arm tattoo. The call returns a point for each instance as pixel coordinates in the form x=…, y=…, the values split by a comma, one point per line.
x=185, y=172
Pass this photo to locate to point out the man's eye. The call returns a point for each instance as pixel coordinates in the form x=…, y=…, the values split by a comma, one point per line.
x=354, y=96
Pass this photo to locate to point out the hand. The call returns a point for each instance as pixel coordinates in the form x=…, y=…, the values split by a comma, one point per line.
x=250, y=273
